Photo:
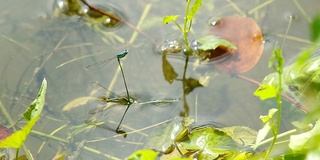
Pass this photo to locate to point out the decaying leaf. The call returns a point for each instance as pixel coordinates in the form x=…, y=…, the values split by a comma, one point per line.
x=246, y=35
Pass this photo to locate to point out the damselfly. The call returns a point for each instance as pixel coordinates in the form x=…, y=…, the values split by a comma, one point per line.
x=103, y=63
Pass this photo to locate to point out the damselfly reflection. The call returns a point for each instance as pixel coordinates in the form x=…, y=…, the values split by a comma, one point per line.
x=107, y=97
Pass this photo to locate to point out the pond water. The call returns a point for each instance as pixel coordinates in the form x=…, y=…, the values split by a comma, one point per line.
x=36, y=43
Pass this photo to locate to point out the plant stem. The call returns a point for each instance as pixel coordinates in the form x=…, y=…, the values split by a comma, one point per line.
x=185, y=106
x=275, y=129
x=17, y=153
x=186, y=28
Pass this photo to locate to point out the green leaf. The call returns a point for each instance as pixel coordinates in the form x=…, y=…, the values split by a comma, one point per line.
x=266, y=91
x=306, y=141
x=276, y=61
x=169, y=74
x=271, y=112
x=171, y=18
x=212, y=42
x=241, y=134
x=143, y=155
x=315, y=29
x=210, y=143
x=269, y=123
x=16, y=139
x=195, y=7
x=162, y=139
x=32, y=115
x=36, y=106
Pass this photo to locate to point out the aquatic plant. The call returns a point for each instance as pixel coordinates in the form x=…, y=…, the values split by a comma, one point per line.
x=31, y=115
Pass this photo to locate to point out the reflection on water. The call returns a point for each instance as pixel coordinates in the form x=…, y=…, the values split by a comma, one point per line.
x=36, y=44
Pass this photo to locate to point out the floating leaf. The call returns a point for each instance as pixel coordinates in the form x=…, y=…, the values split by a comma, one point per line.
x=143, y=155
x=16, y=139
x=195, y=7
x=241, y=134
x=210, y=143
x=212, y=42
x=171, y=18
x=245, y=33
x=266, y=91
x=167, y=69
x=163, y=138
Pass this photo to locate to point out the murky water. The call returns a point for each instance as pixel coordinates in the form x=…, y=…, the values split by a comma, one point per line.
x=32, y=37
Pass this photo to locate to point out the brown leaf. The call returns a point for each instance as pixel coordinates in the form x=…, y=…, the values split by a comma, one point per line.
x=246, y=35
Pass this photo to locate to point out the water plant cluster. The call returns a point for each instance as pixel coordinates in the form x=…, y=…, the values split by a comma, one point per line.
x=181, y=138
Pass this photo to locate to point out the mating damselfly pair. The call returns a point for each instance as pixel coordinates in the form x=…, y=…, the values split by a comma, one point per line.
x=126, y=100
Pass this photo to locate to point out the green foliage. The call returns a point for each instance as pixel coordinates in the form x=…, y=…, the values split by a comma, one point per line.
x=243, y=135
x=143, y=155
x=31, y=115
x=171, y=18
x=212, y=42
x=164, y=137
x=315, y=29
x=276, y=61
x=194, y=9
x=210, y=143
x=266, y=91
x=307, y=141
x=268, y=125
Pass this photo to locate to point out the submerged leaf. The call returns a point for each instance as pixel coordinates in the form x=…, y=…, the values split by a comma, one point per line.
x=171, y=18
x=169, y=74
x=212, y=42
x=191, y=84
x=78, y=102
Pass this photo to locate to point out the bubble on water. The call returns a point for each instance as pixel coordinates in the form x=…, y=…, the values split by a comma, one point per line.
x=171, y=46
x=213, y=21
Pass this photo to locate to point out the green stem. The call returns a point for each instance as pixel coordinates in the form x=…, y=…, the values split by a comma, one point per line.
x=17, y=153
x=186, y=28
x=279, y=102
